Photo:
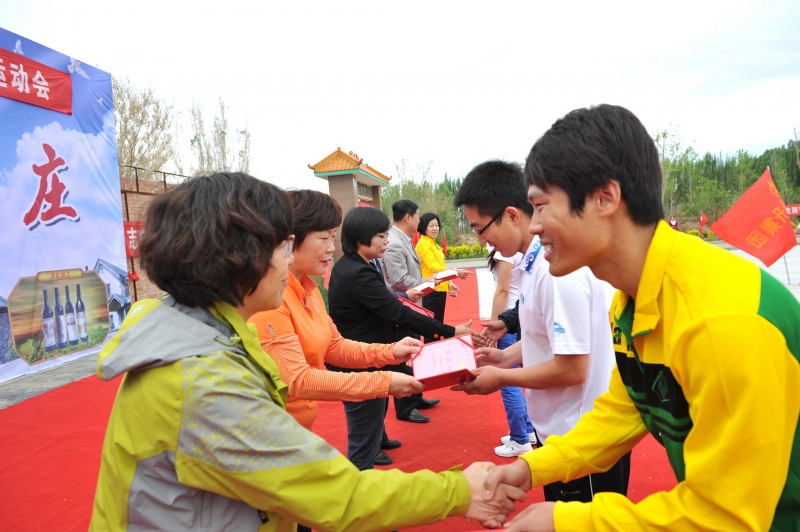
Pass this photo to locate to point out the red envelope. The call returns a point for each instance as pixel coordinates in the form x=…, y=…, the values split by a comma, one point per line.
x=445, y=363
x=415, y=307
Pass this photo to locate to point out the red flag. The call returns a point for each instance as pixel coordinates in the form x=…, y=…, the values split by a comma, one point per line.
x=444, y=242
x=703, y=221
x=415, y=239
x=758, y=223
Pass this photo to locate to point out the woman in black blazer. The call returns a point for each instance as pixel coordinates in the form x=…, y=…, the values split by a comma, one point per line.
x=364, y=309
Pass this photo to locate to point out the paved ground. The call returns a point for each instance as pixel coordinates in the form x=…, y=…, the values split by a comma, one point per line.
x=21, y=388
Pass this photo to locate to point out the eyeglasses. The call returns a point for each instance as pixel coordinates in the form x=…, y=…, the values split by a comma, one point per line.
x=479, y=232
x=383, y=236
x=288, y=246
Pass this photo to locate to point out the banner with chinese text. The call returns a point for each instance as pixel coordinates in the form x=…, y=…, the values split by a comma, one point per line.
x=64, y=282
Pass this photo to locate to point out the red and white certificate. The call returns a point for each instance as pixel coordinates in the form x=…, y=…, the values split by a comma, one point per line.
x=446, y=363
x=446, y=275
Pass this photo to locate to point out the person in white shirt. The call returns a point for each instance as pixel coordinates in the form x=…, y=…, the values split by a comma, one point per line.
x=566, y=347
x=520, y=430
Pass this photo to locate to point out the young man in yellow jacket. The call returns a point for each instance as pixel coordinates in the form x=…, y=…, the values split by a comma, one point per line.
x=706, y=344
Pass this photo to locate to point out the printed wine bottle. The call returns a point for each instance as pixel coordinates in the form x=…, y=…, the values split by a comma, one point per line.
x=80, y=316
x=48, y=325
x=72, y=329
x=61, y=323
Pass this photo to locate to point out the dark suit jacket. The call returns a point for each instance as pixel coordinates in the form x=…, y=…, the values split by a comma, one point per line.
x=363, y=309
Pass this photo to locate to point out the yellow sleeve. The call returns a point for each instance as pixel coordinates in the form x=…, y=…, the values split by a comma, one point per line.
x=600, y=438
x=741, y=384
x=263, y=457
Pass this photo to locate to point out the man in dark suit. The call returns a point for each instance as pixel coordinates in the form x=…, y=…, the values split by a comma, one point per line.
x=401, y=270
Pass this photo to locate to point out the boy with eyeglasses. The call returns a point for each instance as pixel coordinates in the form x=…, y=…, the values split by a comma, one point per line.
x=566, y=347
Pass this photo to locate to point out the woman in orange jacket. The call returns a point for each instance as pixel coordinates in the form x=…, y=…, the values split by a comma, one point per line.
x=301, y=336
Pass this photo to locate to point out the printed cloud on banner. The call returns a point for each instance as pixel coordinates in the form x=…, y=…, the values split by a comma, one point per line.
x=52, y=195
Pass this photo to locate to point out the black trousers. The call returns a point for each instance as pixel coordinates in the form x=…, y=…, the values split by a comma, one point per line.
x=583, y=489
x=435, y=302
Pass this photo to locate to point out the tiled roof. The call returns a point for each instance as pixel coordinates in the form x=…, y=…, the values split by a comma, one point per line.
x=340, y=161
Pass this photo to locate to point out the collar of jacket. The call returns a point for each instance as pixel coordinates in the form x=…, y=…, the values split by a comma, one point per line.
x=647, y=315
x=302, y=287
x=401, y=233
x=432, y=241
x=248, y=337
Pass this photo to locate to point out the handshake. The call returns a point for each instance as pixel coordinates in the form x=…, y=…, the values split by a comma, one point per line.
x=494, y=492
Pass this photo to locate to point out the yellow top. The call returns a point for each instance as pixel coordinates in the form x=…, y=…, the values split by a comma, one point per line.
x=707, y=355
x=431, y=259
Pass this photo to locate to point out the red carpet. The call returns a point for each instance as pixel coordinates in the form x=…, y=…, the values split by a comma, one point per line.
x=51, y=445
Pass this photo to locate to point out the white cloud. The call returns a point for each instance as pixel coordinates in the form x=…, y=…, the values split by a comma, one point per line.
x=66, y=244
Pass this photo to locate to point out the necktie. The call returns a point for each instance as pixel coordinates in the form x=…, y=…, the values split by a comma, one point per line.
x=377, y=266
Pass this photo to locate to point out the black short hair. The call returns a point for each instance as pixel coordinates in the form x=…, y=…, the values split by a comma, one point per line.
x=402, y=207
x=492, y=186
x=591, y=146
x=211, y=238
x=425, y=219
x=313, y=211
x=360, y=225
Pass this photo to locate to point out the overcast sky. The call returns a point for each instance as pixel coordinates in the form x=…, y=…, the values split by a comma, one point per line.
x=455, y=82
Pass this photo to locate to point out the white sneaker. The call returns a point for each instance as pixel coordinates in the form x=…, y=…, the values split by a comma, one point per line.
x=512, y=449
x=505, y=439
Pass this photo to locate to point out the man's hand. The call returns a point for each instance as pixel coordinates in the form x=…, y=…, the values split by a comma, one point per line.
x=490, y=379
x=534, y=518
x=491, y=512
x=463, y=274
x=414, y=295
x=403, y=385
x=494, y=330
x=405, y=348
x=487, y=356
x=453, y=290
x=515, y=474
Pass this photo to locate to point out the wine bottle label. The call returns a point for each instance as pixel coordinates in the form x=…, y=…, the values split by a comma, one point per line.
x=82, y=326
x=61, y=329
x=48, y=330
x=72, y=330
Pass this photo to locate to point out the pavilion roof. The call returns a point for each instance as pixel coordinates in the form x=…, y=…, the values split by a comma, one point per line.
x=340, y=162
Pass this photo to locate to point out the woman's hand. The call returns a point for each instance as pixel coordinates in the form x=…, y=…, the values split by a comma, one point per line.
x=403, y=385
x=463, y=274
x=478, y=340
x=405, y=348
x=453, y=290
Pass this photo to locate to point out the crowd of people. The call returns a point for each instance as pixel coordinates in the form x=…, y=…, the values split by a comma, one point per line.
x=211, y=428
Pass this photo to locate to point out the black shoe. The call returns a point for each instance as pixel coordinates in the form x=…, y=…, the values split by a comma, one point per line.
x=390, y=444
x=383, y=459
x=426, y=403
x=415, y=417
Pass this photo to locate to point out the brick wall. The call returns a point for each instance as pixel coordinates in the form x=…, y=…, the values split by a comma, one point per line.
x=134, y=209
